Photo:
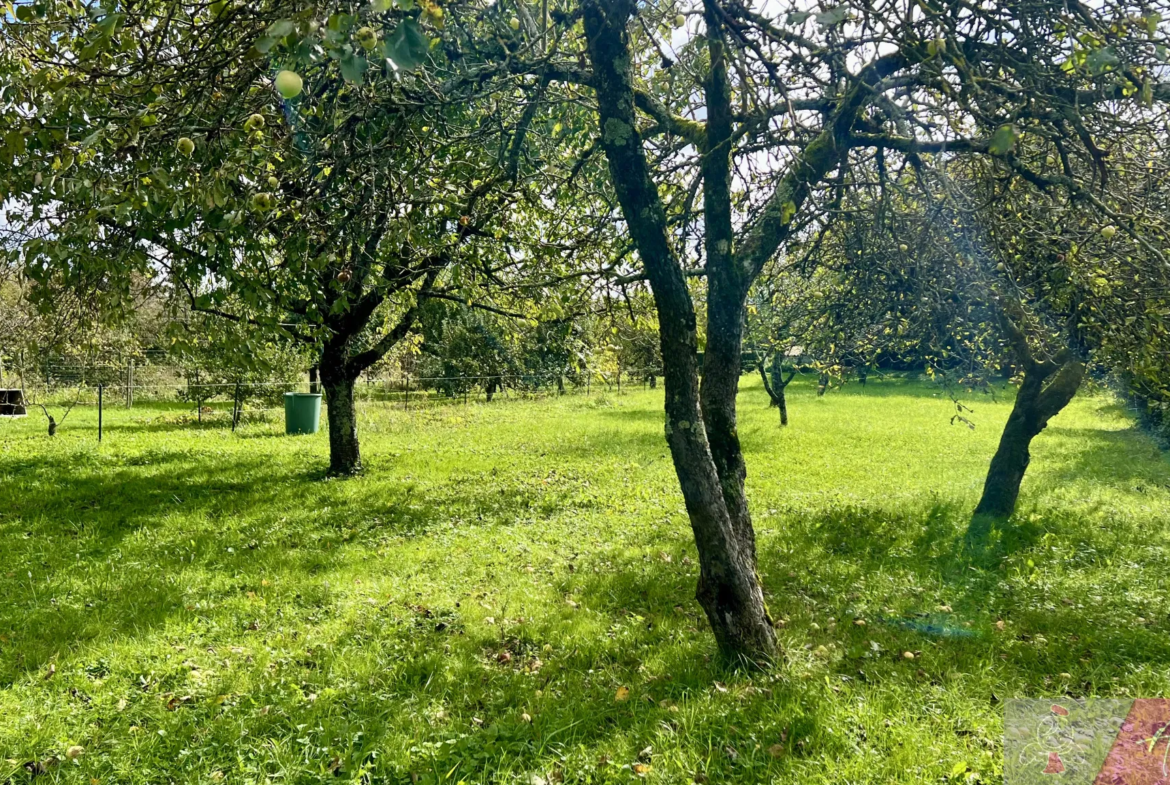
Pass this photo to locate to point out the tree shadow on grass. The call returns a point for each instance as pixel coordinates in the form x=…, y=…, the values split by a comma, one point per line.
x=96, y=549
x=1119, y=458
x=1019, y=580
x=610, y=692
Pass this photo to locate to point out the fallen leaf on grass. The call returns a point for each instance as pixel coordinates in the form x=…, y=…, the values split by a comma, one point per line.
x=622, y=694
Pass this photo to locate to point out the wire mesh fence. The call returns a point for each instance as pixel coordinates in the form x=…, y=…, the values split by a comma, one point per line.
x=62, y=387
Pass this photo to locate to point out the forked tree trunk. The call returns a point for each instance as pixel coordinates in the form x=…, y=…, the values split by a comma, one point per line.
x=701, y=433
x=777, y=386
x=1047, y=388
x=709, y=473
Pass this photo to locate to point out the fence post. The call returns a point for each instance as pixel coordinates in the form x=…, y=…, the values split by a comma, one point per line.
x=236, y=407
x=130, y=385
x=101, y=390
x=406, y=404
x=198, y=398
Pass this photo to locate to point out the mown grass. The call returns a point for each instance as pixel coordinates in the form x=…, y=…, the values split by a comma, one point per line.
x=191, y=605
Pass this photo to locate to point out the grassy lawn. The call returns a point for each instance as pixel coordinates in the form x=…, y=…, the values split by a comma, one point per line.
x=506, y=595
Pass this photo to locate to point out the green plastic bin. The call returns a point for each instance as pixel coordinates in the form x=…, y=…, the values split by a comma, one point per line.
x=302, y=412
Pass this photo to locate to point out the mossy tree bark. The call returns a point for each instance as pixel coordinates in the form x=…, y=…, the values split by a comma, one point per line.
x=344, y=451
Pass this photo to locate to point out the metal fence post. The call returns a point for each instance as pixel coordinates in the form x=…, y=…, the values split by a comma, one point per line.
x=236, y=407
x=101, y=390
x=130, y=384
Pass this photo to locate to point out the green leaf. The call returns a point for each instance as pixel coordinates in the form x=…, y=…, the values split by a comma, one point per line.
x=1102, y=60
x=1003, y=140
x=281, y=28
x=407, y=46
x=405, y=5
x=353, y=67
x=15, y=142
x=787, y=212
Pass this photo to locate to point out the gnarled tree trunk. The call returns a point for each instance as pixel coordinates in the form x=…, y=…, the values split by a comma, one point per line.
x=1048, y=386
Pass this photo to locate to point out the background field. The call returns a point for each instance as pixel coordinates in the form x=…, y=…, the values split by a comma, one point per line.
x=506, y=594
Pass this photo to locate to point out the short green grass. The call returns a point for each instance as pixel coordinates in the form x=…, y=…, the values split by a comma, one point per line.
x=507, y=595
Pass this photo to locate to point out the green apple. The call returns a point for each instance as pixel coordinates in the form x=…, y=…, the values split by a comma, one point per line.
x=1108, y=231
x=185, y=146
x=289, y=84
x=680, y=20
x=254, y=123
x=367, y=37
x=273, y=183
x=262, y=202
x=903, y=247
x=514, y=23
